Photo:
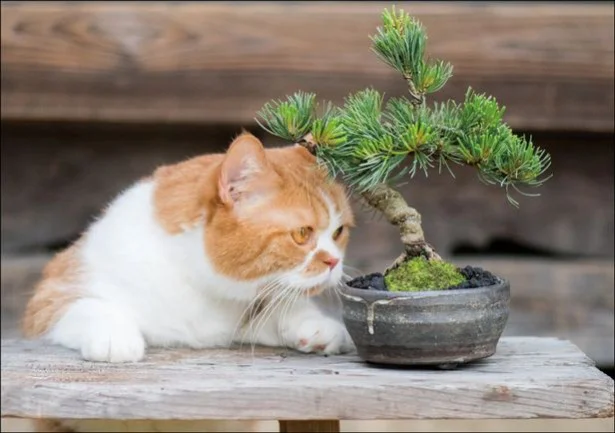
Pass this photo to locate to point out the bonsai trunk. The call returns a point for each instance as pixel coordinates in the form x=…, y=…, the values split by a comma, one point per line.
x=407, y=219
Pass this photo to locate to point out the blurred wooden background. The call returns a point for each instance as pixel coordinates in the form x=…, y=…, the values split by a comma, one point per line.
x=95, y=95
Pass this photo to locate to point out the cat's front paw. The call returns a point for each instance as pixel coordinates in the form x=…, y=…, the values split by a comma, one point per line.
x=114, y=345
x=323, y=335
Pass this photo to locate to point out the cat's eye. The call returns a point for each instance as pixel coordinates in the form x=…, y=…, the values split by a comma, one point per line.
x=302, y=235
x=338, y=232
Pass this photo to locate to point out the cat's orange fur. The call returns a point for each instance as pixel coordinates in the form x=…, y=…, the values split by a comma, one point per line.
x=50, y=295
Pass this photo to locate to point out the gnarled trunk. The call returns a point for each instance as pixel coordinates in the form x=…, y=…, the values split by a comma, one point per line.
x=393, y=206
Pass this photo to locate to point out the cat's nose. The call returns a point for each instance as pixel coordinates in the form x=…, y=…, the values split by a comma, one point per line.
x=331, y=262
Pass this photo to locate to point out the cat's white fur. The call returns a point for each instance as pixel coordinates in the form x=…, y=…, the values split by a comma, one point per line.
x=141, y=286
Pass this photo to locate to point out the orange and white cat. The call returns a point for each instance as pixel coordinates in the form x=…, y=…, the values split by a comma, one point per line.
x=182, y=257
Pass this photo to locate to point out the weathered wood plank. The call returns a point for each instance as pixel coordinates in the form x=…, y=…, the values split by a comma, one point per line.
x=527, y=378
x=552, y=66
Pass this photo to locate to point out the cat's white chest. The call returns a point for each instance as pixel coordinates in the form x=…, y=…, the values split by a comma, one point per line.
x=191, y=319
x=166, y=281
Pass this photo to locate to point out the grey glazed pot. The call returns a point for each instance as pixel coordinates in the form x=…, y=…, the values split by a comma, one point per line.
x=442, y=327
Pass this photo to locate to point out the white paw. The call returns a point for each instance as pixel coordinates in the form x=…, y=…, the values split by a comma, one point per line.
x=323, y=335
x=113, y=344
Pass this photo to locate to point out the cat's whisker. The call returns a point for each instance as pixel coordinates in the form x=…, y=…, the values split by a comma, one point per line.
x=287, y=303
x=337, y=289
x=346, y=277
x=252, y=309
x=274, y=305
x=259, y=298
x=263, y=321
x=292, y=299
x=258, y=315
x=283, y=312
x=266, y=315
x=352, y=268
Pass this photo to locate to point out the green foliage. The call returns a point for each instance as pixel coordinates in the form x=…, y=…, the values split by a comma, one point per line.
x=400, y=43
x=368, y=141
x=487, y=143
x=328, y=130
x=420, y=274
x=290, y=119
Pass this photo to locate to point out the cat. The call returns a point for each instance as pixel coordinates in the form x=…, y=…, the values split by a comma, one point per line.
x=245, y=245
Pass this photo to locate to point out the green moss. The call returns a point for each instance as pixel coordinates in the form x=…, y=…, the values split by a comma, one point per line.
x=420, y=274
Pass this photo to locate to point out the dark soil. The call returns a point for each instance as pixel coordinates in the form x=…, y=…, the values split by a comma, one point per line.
x=475, y=277
x=373, y=281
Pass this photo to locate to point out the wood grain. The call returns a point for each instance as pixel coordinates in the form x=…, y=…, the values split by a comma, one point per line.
x=551, y=65
x=527, y=378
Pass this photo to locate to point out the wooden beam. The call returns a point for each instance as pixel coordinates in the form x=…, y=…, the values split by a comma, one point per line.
x=322, y=426
x=550, y=65
x=526, y=378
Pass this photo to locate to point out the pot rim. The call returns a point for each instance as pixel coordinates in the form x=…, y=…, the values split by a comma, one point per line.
x=378, y=294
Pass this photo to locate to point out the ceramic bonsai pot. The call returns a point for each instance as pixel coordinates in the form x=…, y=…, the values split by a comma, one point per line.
x=441, y=328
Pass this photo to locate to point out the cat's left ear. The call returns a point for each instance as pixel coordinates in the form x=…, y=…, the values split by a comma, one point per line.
x=245, y=173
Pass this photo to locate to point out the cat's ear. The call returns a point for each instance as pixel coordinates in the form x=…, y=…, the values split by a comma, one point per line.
x=245, y=173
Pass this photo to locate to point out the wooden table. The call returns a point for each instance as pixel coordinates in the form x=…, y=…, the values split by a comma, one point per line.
x=527, y=378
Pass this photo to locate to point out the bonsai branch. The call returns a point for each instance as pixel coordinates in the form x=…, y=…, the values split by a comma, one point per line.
x=417, y=98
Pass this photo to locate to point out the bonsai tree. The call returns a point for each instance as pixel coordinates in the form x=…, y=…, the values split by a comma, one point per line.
x=371, y=143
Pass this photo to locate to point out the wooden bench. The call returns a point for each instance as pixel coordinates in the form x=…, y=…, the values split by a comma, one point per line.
x=526, y=378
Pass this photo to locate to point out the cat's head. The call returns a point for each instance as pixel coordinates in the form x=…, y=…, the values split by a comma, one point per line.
x=278, y=217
